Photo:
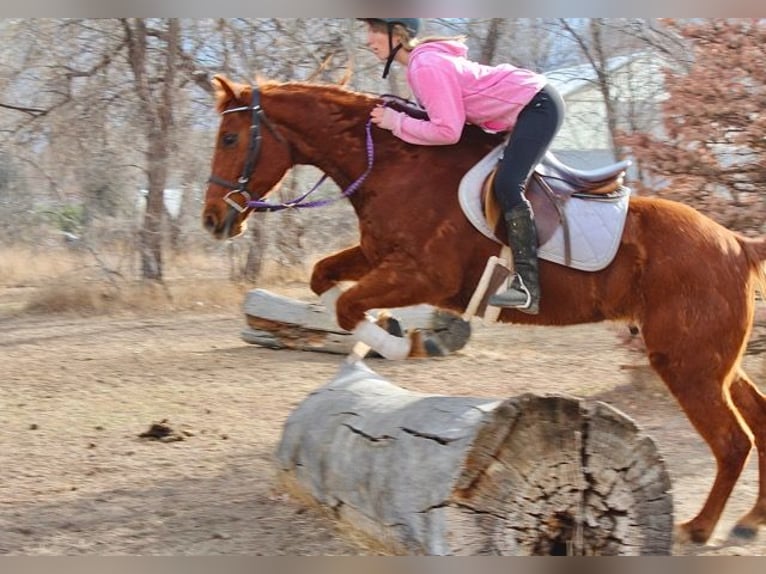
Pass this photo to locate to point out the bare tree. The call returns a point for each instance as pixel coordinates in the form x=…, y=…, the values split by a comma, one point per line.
x=154, y=79
x=712, y=150
x=593, y=49
x=491, y=40
x=91, y=110
x=607, y=46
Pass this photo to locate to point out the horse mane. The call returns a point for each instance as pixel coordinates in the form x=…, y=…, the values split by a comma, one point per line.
x=338, y=95
x=242, y=93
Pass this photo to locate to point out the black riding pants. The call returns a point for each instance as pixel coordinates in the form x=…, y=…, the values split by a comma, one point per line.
x=535, y=128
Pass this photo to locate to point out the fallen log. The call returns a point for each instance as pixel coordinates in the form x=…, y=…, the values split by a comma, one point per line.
x=424, y=474
x=279, y=322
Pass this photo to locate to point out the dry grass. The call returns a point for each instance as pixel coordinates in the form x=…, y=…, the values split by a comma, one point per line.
x=96, y=298
x=23, y=266
x=65, y=281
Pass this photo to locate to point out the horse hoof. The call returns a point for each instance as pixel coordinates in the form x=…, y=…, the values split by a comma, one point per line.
x=442, y=334
x=390, y=323
x=743, y=532
x=433, y=349
x=680, y=535
x=448, y=331
x=685, y=533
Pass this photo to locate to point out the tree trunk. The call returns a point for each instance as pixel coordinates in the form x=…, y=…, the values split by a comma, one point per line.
x=254, y=259
x=151, y=232
x=489, y=46
x=155, y=100
x=426, y=474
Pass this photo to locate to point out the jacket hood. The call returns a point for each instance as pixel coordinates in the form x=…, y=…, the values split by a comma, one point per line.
x=447, y=47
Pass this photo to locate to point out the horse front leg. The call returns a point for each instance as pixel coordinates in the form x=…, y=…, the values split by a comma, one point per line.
x=346, y=265
x=397, y=282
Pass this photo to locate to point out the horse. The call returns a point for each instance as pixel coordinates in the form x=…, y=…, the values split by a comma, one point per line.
x=687, y=282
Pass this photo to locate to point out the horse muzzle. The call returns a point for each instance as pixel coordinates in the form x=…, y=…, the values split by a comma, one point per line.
x=224, y=222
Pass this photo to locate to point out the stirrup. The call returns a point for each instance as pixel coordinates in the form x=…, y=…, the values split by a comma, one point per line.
x=516, y=286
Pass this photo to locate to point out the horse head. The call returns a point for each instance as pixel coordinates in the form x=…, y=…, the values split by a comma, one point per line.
x=268, y=128
x=234, y=181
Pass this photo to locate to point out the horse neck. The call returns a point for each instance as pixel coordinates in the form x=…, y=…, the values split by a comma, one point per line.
x=325, y=127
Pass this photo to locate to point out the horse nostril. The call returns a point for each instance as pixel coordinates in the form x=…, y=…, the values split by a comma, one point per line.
x=209, y=223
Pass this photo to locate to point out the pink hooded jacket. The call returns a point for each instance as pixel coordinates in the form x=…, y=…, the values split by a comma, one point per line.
x=455, y=90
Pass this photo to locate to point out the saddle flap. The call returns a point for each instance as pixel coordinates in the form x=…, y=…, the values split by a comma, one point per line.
x=572, y=228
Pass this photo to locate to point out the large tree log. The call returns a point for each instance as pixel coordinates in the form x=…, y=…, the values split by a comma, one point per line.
x=425, y=474
x=280, y=322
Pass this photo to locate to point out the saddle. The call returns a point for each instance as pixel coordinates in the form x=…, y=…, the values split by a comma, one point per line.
x=575, y=226
x=550, y=188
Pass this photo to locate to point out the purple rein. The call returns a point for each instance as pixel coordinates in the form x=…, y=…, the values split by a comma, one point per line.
x=259, y=205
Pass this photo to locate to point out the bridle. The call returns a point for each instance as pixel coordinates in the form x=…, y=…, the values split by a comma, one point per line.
x=253, y=151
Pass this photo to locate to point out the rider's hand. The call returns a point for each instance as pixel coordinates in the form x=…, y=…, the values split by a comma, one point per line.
x=386, y=118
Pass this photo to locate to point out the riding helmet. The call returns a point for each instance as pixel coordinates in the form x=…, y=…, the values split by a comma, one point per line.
x=412, y=25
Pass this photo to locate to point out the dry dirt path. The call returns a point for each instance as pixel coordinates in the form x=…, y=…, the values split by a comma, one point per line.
x=75, y=393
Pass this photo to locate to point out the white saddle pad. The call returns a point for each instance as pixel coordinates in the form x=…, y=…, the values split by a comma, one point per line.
x=595, y=227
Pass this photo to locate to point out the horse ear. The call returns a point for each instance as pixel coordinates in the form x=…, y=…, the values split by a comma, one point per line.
x=226, y=91
x=347, y=75
x=222, y=84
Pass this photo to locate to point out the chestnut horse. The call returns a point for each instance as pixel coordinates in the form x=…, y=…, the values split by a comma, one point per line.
x=686, y=281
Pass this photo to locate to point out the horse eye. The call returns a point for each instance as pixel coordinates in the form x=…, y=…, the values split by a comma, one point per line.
x=229, y=140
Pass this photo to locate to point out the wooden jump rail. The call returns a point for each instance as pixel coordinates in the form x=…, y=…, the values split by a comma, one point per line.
x=279, y=322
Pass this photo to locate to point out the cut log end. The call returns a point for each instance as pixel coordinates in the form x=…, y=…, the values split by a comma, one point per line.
x=569, y=479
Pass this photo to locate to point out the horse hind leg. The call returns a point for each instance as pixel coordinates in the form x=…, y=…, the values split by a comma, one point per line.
x=751, y=404
x=699, y=385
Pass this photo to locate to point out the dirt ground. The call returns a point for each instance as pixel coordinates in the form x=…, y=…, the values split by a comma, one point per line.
x=76, y=393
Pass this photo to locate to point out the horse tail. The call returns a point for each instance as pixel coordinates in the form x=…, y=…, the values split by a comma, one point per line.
x=755, y=250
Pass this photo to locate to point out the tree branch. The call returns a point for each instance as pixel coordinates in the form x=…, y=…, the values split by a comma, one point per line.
x=34, y=112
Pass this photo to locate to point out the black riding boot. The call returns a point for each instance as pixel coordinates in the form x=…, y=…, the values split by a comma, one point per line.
x=524, y=289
